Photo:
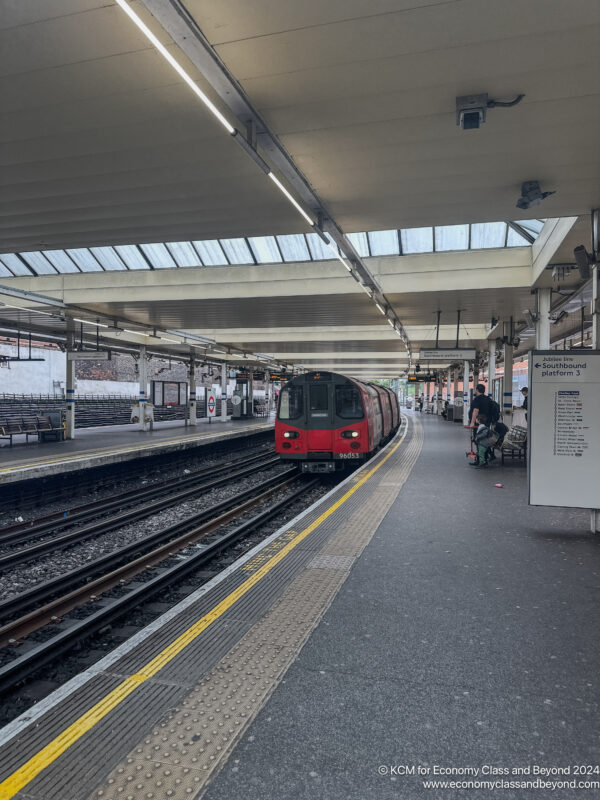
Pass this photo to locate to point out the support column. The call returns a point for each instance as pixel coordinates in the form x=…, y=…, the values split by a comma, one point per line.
x=595, y=310
x=466, y=393
x=507, y=403
x=70, y=389
x=193, y=410
x=224, y=392
x=491, y=369
x=143, y=381
x=542, y=326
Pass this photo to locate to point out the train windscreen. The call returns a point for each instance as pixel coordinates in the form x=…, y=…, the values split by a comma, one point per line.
x=291, y=402
x=348, y=402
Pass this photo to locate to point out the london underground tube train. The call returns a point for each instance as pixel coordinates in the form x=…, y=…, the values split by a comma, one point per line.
x=325, y=420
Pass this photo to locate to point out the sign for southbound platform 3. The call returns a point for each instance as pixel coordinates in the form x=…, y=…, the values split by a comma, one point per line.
x=448, y=354
x=564, y=428
x=211, y=405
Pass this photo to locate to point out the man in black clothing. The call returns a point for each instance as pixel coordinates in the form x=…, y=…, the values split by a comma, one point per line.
x=525, y=393
x=481, y=404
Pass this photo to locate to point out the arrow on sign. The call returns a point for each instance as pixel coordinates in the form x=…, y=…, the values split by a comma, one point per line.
x=538, y=365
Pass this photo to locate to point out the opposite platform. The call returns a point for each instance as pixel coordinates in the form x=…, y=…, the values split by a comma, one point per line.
x=95, y=447
x=158, y=716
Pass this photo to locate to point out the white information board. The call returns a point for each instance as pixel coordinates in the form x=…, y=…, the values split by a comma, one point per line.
x=564, y=428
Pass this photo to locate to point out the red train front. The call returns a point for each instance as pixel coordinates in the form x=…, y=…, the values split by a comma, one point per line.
x=325, y=420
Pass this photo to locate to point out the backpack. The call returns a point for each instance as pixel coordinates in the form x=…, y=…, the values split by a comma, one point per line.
x=494, y=410
x=486, y=437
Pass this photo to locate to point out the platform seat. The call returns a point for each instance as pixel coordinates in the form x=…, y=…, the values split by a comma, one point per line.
x=515, y=443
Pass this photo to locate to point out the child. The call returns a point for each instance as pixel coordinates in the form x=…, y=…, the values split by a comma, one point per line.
x=485, y=439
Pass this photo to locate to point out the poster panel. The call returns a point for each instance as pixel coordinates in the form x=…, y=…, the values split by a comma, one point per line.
x=564, y=428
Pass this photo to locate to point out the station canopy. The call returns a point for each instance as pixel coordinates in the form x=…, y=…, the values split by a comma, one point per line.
x=127, y=198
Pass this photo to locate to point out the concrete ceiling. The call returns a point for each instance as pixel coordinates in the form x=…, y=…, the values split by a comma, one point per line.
x=102, y=143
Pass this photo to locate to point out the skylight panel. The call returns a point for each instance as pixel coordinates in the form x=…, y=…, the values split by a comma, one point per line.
x=293, y=247
x=131, y=256
x=85, y=260
x=417, y=240
x=39, y=262
x=487, y=234
x=451, y=237
x=534, y=226
x=184, y=254
x=108, y=258
x=211, y=252
x=318, y=249
x=237, y=251
x=60, y=260
x=4, y=271
x=265, y=249
x=515, y=239
x=360, y=244
x=384, y=243
x=14, y=263
x=158, y=255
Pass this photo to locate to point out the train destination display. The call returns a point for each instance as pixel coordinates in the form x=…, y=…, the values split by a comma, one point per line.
x=564, y=428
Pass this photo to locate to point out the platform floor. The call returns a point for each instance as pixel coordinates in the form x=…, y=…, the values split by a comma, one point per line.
x=417, y=616
x=93, y=447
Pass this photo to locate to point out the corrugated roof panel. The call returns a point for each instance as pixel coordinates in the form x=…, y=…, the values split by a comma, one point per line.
x=237, y=251
x=109, y=258
x=61, y=261
x=84, y=260
x=14, y=263
x=360, y=243
x=384, y=243
x=158, y=255
x=293, y=247
x=487, y=234
x=39, y=263
x=265, y=249
x=417, y=240
x=132, y=256
x=184, y=254
x=211, y=253
x=451, y=237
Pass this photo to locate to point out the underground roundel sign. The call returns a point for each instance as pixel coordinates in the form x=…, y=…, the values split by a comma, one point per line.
x=212, y=405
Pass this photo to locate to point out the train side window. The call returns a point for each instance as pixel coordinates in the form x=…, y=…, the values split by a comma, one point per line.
x=348, y=402
x=291, y=402
x=319, y=400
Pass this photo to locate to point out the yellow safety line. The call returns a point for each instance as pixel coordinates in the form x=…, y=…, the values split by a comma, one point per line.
x=41, y=760
x=125, y=449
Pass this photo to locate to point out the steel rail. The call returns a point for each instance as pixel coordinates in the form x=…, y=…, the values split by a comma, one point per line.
x=35, y=658
x=15, y=534
x=167, y=536
x=102, y=526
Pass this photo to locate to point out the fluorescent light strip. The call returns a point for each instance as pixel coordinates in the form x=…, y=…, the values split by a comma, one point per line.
x=380, y=308
x=31, y=310
x=90, y=322
x=392, y=323
x=173, y=341
x=296, y=205
x=176, y=66
x=137, y=333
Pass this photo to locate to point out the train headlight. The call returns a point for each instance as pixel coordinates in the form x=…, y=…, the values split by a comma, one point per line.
x=350, y=434
x=290, y=435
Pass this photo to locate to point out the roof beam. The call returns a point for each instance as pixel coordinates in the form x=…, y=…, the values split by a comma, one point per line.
x=546, y=245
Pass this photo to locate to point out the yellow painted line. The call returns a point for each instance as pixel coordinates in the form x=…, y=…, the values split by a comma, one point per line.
x=48, y=754
x=131, y=448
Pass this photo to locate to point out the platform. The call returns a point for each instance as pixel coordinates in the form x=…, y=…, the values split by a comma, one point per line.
x=415, y=616
x=95, y=447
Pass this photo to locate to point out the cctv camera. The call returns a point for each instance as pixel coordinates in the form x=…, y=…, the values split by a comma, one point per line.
x=531, y=195
x=471, y=111
x=584, y=261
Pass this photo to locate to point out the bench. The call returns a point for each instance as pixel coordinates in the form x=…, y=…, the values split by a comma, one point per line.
x=514, y=445
x=43, y=428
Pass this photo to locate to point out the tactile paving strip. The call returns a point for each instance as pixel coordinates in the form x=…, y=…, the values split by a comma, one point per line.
x=197, y=737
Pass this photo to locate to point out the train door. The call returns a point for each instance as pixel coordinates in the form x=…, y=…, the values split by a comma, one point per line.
x=318, y=409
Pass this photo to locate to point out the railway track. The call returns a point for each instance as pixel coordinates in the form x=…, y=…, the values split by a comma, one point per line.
x=73, y=631
x=153, y=500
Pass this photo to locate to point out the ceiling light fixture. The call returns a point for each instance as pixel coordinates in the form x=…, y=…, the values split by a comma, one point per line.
x=90, y=322
x=176, y=66
x=296, y=205
x=165, y=339
x=380, y=307
x=137, y=333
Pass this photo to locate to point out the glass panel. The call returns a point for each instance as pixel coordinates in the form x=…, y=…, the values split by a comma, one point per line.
x=384, y=243
x=184, y=254
x=319, y=400
x=348, y=402
x=451, y=237
x=532, y=225
x=211, y=253
x=108, y=258
x=318, y=249
x=61, y=260
x=265, y=249
x=516, y=240
x=39, y=263
x=5, y=272
x=359, y=240
x=237, y=251
x=293, y=248
x=131, y=256
x=291, y=402
x=158, y=255
x=417, y=240
x=488, y=234
x=15, y=264
x=85, y=260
